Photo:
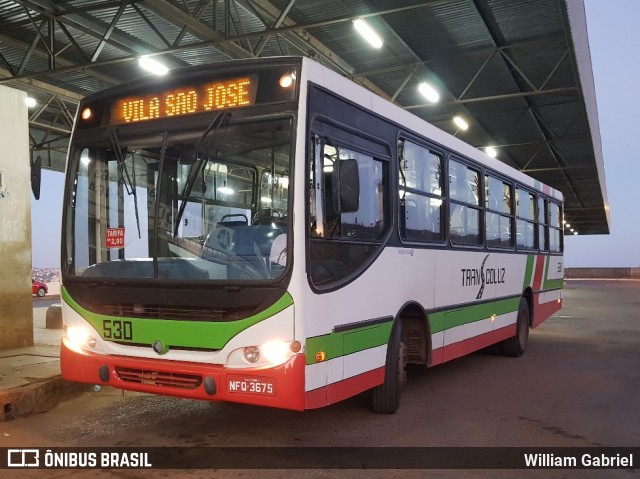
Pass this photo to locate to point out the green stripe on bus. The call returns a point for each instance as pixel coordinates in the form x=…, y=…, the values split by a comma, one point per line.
x=551, y=283
x=186, y=334
x=531, y=259
x=451, y=318
x=334, y=345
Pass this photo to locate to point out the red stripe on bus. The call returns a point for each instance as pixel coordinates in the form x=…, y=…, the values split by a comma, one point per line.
x=462, y=348
x=538, y=273
x=543, y=311
x=436, y=356
x=343, y=389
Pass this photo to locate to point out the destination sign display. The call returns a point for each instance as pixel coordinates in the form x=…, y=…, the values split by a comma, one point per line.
x=176, y=102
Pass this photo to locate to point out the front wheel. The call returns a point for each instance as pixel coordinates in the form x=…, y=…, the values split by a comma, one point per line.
x=41, y=292
x=385, y=398
x=516, y=345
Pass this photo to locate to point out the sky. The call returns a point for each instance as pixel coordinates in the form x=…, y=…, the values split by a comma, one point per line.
x=615, y=51
x=615, y=55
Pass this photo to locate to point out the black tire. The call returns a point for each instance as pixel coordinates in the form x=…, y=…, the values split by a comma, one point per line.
x=41, y=292
x=517, y=345
x=385, y=398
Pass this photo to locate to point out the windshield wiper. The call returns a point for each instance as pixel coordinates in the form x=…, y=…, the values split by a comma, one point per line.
x=156, y=209
x=211, y=130
x=129, y=185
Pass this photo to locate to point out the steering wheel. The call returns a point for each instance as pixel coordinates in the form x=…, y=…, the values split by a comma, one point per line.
x=235, y=249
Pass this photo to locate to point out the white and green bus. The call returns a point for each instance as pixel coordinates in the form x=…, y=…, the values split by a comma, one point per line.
x=268, y=232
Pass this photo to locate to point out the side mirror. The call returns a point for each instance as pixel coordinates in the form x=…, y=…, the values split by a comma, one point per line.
x=36, y=177
x=346, y=186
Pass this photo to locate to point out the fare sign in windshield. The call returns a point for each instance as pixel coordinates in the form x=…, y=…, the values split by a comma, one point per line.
x=176, y=102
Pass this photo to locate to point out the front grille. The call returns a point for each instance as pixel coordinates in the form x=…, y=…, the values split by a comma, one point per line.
x=171, y=347
x=162, y=312
x=160, y=379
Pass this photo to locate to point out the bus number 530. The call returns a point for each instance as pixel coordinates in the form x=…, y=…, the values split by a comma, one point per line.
x=116, y=329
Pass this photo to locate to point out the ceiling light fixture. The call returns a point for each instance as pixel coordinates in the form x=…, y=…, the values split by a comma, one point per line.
x=460, y=123
x=491, y=151
x=30, y=102
x=429, y=92
x=368, y=33
x=153, y=66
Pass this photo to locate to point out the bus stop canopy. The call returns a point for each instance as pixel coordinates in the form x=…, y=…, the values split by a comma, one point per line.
x=517, y=72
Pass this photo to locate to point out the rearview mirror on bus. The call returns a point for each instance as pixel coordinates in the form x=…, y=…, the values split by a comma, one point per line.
x=346, y=186
x=36, y=177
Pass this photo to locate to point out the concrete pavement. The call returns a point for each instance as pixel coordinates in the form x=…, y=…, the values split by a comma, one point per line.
x=30, y=380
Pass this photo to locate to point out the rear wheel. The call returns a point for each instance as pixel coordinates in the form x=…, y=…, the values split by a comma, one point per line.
x=385, y=398
x=516, y=345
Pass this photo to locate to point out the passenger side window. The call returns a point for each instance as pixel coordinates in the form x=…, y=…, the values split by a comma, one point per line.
x=499, y=205
x=525, y=223
x=555, y=234
x=420, y=192
x=464, y=209
x=542, y=224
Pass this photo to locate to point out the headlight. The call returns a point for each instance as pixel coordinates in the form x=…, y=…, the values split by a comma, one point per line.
x=271, y=353
x=252, y=354
x=80, y=337
x=276, y=352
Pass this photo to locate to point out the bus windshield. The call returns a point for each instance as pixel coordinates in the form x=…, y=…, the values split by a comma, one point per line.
x=205, y=204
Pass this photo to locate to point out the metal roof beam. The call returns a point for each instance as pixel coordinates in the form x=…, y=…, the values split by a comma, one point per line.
x=30, y=50
x=310, y=42
x=197, y=13
x=178, y=17
x=498, y=41
x=63, y=10
x=507, y=96
x=471, y=51
x=41, y=108
x=150, y=24
x=72, y=41
x=283, y=15
x=46, y=127
x=289, y=26
x=61, y=61
x=40, y=86
x=86, y=25
x=108, y=32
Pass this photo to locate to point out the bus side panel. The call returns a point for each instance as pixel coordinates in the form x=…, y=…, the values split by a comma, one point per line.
x=347, y=388
x=477, y=299
x=467, y=346
x=547, y=287
x=546, y=304
x=355, y=363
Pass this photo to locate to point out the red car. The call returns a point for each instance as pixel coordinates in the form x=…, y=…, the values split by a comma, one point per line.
x=38, y=288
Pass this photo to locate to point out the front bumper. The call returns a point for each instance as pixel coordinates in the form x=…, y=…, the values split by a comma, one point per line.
x=280, y=386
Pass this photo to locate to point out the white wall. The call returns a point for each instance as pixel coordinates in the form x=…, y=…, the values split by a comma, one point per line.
x=16, y=314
